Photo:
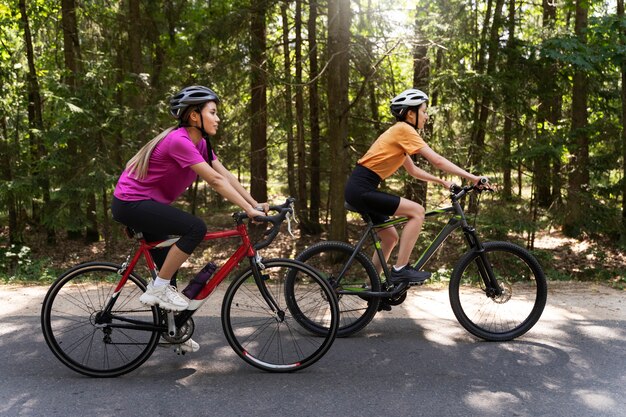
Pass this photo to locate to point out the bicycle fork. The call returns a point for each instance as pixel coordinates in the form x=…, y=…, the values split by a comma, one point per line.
x=257, y=267
x=492, y=288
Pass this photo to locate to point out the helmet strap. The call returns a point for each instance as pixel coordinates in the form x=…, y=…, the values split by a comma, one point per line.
x=204, y=134
x=414, y=126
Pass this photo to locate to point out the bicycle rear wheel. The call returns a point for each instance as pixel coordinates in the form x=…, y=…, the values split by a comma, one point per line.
x=271, y=338
x=78, y=332
x=329, y=258
x=510, y=314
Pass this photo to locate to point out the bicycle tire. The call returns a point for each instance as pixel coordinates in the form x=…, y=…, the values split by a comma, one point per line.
x=509, y=315
x=276, y=342
x=329, y=258
x=68, y=321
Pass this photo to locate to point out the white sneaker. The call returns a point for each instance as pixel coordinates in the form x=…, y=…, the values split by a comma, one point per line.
x=189, y=346
x=165, y=297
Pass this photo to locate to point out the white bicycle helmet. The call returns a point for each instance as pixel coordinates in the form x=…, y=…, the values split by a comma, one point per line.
x=189, y=96
x=405, y=100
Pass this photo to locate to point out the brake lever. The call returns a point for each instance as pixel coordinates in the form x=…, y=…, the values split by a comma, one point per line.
x=289, y=215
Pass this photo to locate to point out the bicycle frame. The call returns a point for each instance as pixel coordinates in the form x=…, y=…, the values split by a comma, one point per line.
x=457, y=220
x=245, y=249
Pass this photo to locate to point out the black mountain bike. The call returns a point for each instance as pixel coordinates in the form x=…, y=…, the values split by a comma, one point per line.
x=497, y=289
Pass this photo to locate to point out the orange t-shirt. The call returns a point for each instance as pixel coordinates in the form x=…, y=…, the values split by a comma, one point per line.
x=387, y=154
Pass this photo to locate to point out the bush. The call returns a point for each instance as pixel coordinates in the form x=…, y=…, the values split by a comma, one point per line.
x=17, y=265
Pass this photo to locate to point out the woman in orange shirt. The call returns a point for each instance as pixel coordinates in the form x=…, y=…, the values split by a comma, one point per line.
x=391, y=150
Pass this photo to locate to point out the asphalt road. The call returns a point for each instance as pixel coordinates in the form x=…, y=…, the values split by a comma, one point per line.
x=414, y=361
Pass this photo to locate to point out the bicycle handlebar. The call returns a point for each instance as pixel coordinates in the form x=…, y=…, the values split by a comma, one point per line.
x=457, y=192
x=283, y=210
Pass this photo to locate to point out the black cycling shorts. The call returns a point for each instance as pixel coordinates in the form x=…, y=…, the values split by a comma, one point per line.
x=362, y=193
x=157, y=221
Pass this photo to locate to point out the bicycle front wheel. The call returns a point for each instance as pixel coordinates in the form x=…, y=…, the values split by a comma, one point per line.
x=258, y=316
x=523, y=292
x=330, y=259
x=79, y=331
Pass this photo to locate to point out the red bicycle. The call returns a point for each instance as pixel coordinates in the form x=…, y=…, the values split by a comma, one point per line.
x=93, y=321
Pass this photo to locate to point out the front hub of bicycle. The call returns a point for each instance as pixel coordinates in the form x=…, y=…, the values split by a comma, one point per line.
x=505, y=293
x=280, y=316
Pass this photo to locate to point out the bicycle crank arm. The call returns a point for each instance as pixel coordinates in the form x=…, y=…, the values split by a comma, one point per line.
x=171, y=323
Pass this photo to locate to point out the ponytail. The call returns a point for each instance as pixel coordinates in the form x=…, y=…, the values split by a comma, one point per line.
x=137, y=166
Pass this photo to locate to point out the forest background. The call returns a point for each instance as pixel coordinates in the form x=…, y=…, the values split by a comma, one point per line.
x=529, y=93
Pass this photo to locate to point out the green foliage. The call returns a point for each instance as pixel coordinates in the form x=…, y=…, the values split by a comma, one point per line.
x=92, y=128
x=18, y=265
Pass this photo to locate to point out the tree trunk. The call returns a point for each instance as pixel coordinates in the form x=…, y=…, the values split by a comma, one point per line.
x=43, y=215
x=482, y=110
x=620, y=14
x=413, y=189
x=338, y=79
x=548, y=116
x=509, y=110
x=291, y=166
x=71, y=44
x=71, y=54
x=301, y=203
x=579, y=146
x=314, y=122
x=6, y=171
x=135, y=27
x=258, y=101
x=134, y=37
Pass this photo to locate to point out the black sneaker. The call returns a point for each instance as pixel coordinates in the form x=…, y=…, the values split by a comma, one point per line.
x=408, y=274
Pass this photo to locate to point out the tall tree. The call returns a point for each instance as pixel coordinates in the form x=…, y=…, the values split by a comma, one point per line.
x=620, y=15
x=417, y=190
x=301, y=148
x=479, y=126
x=339, y=18
x=548, y=115
x=6, y=171
x=258, y=100
x=71, y=43
x=314, y=122
x=134, y=37
x=579, y=137
x=291, y=166
x=35, y=122
x=509, y=110
x=71, y=55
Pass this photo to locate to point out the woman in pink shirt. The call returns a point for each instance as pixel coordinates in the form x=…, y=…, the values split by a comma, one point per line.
x=159, y=173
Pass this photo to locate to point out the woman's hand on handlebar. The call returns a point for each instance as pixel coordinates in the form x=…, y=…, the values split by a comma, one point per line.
x=264, y=207
x=482, y=183
x=446, y=184
x=252, y=212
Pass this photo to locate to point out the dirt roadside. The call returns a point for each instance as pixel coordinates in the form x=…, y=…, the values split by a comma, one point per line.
x=591, y=300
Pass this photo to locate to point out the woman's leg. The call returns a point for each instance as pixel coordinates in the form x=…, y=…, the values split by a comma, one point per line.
x=174, y=259
x=415, y=213
x=388, y=240
x=158, y=219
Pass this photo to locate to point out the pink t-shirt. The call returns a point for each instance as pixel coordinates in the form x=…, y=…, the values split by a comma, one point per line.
x=169, y=172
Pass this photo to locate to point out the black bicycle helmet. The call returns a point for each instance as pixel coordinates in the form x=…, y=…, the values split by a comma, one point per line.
x=405, y=100
x=189, y=96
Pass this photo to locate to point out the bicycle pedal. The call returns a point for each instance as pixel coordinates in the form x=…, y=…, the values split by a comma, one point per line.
x=179, y=351
x=384, y=306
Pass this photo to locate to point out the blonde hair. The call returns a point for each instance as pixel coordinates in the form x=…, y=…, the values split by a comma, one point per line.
x=137, y=166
